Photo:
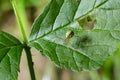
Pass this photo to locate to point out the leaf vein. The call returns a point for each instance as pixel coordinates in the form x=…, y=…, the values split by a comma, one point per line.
x=72, y=50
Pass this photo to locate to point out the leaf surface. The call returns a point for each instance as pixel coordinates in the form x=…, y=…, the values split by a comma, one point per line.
x=10, y=53
x=86, y=49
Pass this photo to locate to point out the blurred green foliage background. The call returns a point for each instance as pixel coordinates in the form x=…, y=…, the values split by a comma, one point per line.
x=44, y=68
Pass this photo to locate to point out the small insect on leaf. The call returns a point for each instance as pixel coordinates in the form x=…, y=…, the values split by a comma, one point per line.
x=69, y=35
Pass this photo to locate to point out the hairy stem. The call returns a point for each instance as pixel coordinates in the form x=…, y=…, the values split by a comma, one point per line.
x=30, y=63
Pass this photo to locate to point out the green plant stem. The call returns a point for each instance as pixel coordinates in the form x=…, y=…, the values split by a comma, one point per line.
x=24, y=36
x=30, y=63
x=22, y=28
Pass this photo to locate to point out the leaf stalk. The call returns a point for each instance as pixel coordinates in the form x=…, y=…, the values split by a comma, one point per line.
x=21, y=26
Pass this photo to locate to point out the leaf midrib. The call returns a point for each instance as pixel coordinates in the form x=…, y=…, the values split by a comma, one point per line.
x=71, y=22
x=62, y=27
x=6, y=47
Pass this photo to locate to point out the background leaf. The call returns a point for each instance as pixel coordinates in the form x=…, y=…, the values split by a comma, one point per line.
x=87, y=49
x=10, y=53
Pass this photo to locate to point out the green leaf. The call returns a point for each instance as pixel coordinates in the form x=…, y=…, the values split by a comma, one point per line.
x=84, y=49
x=10, y=53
